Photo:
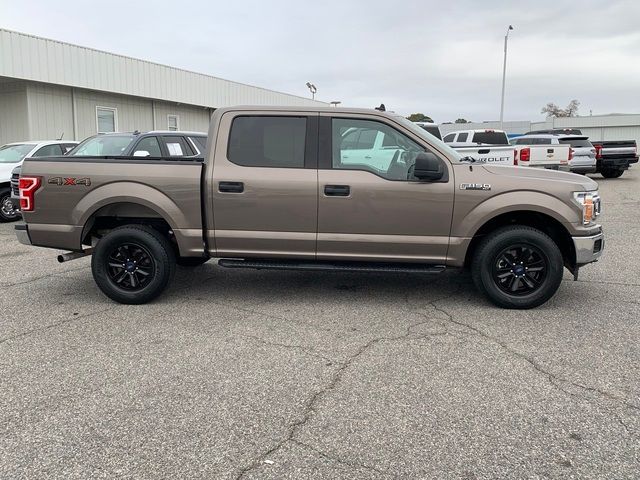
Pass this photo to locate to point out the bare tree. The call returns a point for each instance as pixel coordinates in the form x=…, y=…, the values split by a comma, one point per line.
x=553, y=110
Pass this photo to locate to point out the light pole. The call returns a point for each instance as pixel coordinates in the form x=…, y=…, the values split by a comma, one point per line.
x=313, y=89
x=504, y=75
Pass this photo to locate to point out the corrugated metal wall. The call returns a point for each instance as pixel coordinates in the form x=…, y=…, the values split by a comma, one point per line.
x=50, y=112
x=190, y=118
x=49, y=61
x=14, y=124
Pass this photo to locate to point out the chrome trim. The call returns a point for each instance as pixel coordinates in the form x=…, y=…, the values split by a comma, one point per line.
x=584, y=248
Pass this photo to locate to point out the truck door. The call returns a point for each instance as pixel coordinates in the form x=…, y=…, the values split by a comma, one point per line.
x=264, y=198
x=379, y=214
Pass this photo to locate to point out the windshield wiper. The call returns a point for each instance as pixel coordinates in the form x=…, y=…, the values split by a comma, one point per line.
x=468, y=159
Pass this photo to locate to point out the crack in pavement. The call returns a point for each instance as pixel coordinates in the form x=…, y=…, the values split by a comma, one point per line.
x=342, y=461
x=309, y=351
x=552, y=377
x=35, y=279
x=312, y=401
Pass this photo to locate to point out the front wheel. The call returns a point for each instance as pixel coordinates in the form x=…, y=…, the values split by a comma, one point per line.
x=517, y=267
x=607, y=173
x=8, y=213
x=133, y=264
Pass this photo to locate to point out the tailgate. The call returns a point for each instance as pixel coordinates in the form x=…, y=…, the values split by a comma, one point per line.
x=74, y=190
x=549, y=155
x=494, y=155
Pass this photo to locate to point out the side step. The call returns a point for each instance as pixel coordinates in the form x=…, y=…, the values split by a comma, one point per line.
x=268, y=264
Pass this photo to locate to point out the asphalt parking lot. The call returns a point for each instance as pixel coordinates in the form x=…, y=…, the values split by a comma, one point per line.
x=245, y=374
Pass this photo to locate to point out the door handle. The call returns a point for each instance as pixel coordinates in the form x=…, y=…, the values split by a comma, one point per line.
x=337, y=190
x=231, y=187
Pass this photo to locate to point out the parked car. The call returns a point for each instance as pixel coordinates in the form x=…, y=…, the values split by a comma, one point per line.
x=148, y=144
x=613, y=157
x=556, y=131
x=273, y=192
x=486, y=146
x=11, y=156
x=544, y=151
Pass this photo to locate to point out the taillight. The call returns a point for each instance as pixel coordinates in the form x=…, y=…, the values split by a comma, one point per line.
x=515, y=156
x=27, y=187
x=525, y=154
x=598, y=151
x=570, y=153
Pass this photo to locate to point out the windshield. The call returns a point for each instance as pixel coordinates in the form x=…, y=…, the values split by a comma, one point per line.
x=428, y=137
x=103, y=146
x=15, y=153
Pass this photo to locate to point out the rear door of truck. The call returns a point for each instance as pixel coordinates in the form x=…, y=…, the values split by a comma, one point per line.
x=264, y=200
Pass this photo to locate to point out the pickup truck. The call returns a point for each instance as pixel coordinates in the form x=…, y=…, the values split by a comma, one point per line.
x=613, y=157
x=273, y=192
x=542, y=151
x=486, y=146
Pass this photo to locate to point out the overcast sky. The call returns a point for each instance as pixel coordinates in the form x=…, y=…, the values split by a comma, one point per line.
x=443, y=59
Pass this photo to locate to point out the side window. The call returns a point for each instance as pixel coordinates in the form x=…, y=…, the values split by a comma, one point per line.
x=177, y=147
x=201, y=143
x=449, y=138
x=67, y=147
x=48, y=151
x=392, y=159
x=462, y=137
x=264, y=141
x=150, y=145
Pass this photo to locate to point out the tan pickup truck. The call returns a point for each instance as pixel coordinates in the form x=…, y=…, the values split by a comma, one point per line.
x=313, y=189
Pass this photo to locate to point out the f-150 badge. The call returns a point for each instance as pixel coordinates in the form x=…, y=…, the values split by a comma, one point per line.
x=475, y=186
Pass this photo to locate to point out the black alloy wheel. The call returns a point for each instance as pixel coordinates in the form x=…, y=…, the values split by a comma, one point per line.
x=520, y=269
x=131, y=267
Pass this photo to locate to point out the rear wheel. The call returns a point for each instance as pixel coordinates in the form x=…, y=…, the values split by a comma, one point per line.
x=610, y=173
x=8, y=213
x=517, y=267
x=133, y=264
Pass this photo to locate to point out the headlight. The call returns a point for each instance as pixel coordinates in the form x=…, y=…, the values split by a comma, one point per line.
x=590, y=204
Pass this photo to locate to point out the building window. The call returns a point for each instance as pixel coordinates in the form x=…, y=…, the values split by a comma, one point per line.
x=106, y=119
x=172, y=122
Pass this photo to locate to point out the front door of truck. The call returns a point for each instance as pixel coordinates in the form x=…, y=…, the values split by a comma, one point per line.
x=376, y=209
x=264, y=198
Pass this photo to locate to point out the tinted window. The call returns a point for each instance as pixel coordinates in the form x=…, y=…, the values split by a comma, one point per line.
x=433, y=130
x=177, y=147
x=268, y=141
x=543, y=141
x=524, y=141
x=449, y=138
x=462, y=137
x=201, y=143
x=149, y=144
x=491, y=138
x=48, y=151
x=576, y=142
x=67, y=147
x=393, y=159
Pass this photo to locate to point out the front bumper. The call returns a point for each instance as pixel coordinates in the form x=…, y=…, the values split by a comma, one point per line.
x=588, y=249
x=22, y=232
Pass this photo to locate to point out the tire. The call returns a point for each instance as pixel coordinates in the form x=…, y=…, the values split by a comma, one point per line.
x=508, y=257
x=148, y=264
x=7, y=212
x=609, y=173
x=191, y=261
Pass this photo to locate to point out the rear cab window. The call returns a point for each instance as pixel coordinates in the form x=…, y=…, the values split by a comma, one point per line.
x=268, y=141
x=582, y=142
x=491, y=138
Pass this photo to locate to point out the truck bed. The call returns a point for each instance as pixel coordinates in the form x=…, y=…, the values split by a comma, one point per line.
x=75, y=192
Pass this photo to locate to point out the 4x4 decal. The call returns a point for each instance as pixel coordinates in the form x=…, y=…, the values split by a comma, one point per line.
x=64, y=181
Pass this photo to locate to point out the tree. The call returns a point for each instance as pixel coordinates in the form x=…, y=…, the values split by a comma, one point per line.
x=419, y=117
x=462, y=120
x=553, y=110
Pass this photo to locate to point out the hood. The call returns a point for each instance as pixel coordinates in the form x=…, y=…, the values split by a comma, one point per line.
x=575, y=181
x=6, y=169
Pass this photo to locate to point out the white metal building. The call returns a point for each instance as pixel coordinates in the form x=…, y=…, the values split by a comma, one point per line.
x=597, y=127
x=50, y=88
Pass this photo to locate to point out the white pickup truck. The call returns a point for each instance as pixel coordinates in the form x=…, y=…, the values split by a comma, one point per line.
x=543, y=151
x=485, y=146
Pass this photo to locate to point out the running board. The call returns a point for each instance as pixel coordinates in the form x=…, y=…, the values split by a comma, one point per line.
x=307, y=265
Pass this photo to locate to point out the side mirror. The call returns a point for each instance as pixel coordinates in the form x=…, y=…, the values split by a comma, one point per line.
x=141, y=153
x=428, y=167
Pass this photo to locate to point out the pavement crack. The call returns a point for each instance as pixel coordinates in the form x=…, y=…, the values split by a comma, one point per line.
x=342, y=461
x=53, y=325
x=35, y=279
x=306, y=350
x=552, y=377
